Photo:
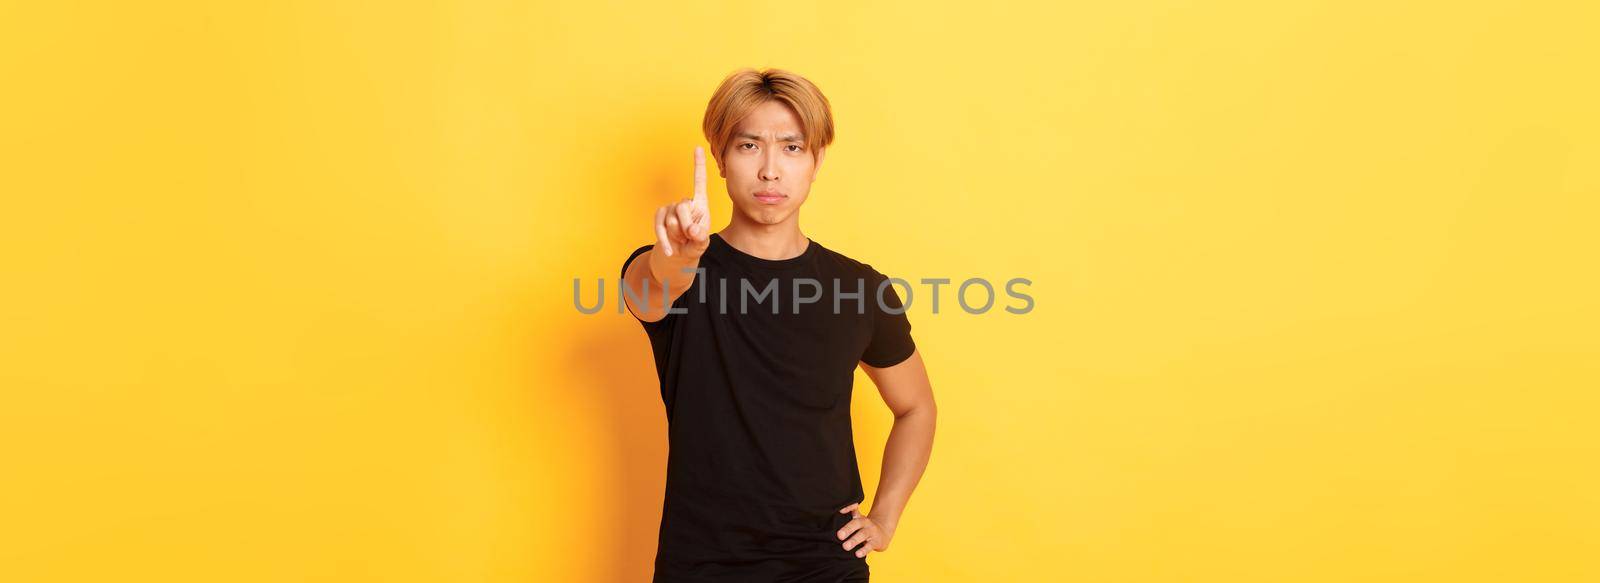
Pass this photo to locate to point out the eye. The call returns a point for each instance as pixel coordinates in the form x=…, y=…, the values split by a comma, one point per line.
x=750, y=145
x=794, y=148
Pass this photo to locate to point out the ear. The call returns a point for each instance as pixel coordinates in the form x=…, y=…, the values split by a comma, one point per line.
x=721, y=169
x=821, y=153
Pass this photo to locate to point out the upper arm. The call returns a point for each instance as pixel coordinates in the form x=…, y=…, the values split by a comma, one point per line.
x=905, y=386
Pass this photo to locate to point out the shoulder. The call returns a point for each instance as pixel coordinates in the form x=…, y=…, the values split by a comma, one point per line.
x=839, y=263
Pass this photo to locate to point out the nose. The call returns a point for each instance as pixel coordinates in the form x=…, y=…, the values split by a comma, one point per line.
x=769, y=165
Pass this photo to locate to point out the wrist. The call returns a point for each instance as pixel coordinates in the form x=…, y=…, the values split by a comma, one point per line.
x=665, y=268
x=887, y=518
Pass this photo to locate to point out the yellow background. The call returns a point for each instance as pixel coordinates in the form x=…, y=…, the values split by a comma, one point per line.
x=288, y=285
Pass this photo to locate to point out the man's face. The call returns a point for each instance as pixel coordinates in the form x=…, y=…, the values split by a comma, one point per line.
x=766, y=164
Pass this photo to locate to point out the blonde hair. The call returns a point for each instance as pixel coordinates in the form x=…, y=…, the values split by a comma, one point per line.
x=746, y=89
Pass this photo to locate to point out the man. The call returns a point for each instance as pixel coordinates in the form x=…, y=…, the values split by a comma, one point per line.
x=756, y=341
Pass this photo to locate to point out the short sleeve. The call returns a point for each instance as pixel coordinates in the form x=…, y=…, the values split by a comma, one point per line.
x=891, y=340
x=622, y=278
x=635, y=255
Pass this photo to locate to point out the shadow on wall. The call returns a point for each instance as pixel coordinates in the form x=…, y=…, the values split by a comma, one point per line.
x=613, y=351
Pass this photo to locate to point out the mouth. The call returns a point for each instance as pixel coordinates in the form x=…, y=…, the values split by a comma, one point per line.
x=770, y=197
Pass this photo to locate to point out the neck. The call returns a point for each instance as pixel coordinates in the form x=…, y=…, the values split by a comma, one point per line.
x=780, y=241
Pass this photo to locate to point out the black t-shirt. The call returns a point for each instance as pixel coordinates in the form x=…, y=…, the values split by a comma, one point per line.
x=760, y=456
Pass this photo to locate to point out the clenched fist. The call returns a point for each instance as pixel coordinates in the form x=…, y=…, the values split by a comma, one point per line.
x=683, y=228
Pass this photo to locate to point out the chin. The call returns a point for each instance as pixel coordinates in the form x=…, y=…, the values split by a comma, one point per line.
x=768, y=216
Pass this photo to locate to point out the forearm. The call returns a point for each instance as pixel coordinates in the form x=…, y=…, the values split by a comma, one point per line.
x=672, y=273
x=659, y=280
x=905, y=457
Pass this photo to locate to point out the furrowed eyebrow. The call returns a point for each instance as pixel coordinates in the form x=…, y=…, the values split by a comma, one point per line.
x=782, y=138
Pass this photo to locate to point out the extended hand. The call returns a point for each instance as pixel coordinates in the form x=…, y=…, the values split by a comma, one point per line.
x=683, y=228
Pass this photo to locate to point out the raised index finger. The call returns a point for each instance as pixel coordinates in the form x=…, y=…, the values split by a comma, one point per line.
x=700, y=176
